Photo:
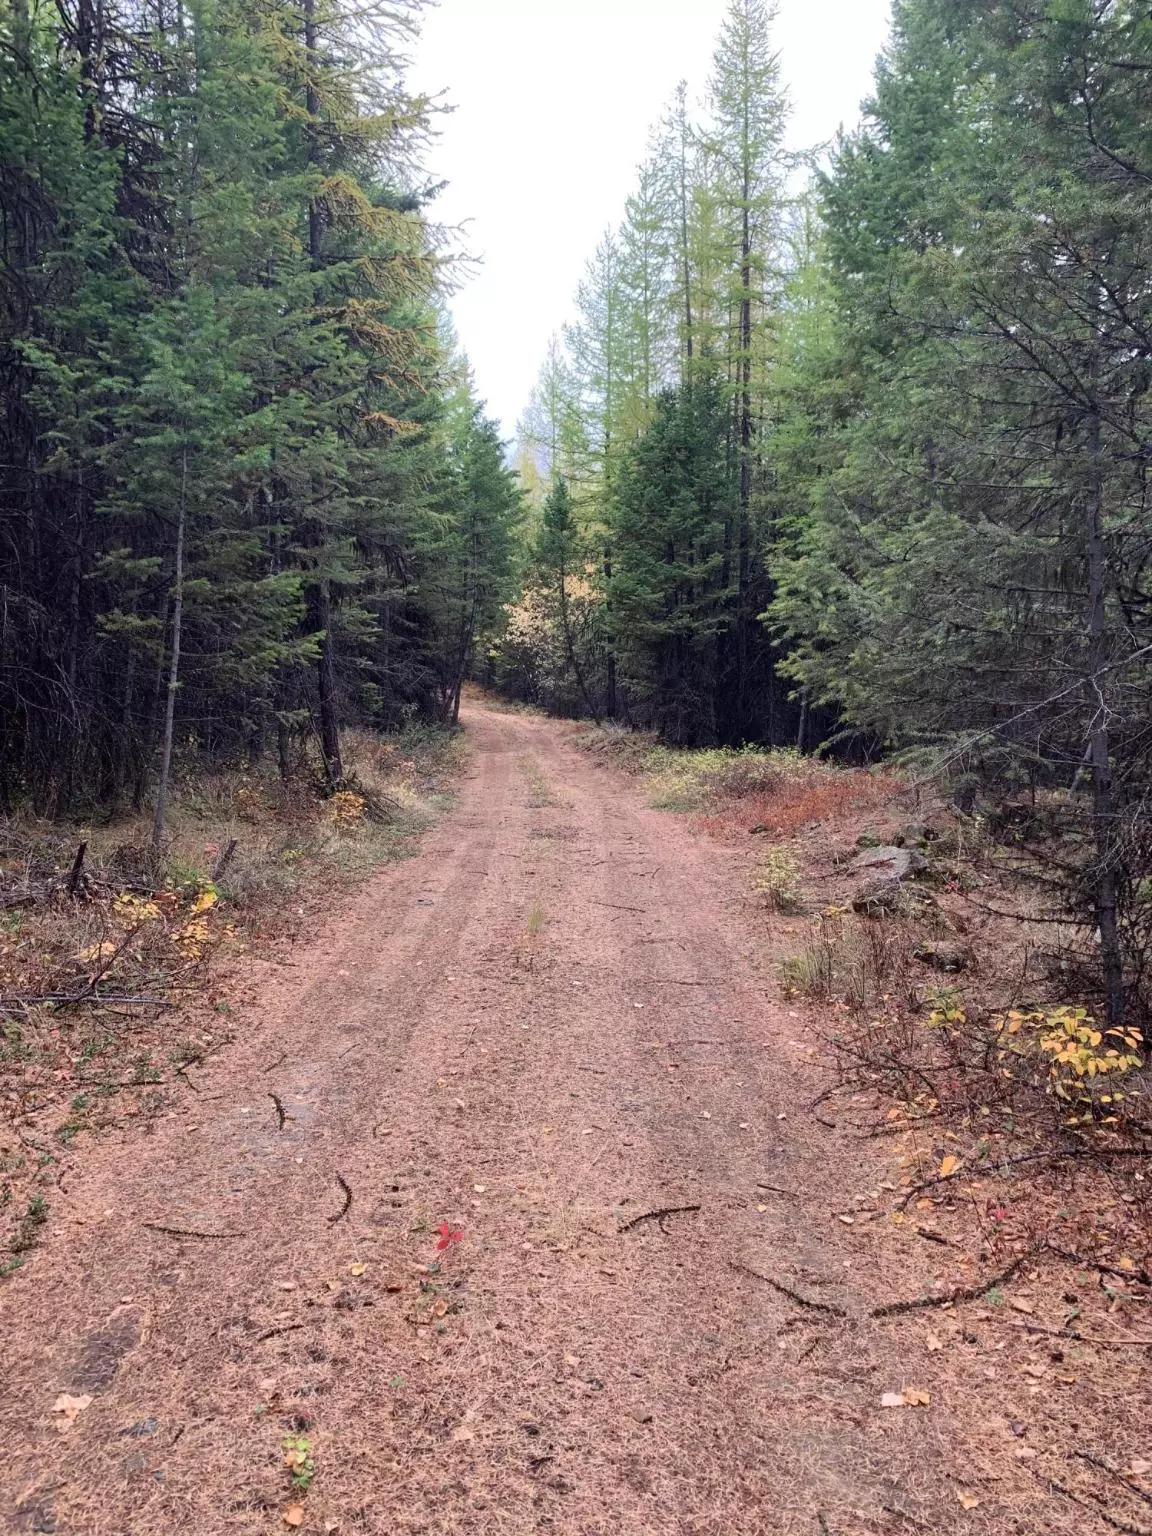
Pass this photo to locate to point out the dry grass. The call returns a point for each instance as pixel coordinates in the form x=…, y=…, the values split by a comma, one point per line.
x=734, y=792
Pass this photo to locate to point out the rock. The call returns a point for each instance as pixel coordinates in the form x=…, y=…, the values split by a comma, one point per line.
x=891, y=898
x=889, y=862
x=943, y=957
x=879, y=898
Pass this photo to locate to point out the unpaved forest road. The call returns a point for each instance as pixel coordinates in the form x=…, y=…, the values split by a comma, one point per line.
x=551, y=1021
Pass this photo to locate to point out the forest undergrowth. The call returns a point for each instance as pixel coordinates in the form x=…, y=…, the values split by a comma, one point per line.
x=950, y=1010
x=115, y=976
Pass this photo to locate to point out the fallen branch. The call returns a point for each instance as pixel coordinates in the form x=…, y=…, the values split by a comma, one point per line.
x=156, y=1226
x=667, y=1210
x=955, y=1296
x=1074, y=1336
x=347, y=1206
x=616, y=907
x=90, y=999
x=1141, y=1276
x=778, y=1190
x=281, y=1114
x=784, y=1290
x=272, y=1333
x=983, y=1169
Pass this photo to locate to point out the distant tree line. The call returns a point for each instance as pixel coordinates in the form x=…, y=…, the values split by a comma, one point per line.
x=246, y=496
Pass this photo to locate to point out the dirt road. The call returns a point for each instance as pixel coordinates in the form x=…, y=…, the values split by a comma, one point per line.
x=554, y=1022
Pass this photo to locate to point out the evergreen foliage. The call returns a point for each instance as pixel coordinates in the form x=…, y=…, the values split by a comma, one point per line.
x=235, y=505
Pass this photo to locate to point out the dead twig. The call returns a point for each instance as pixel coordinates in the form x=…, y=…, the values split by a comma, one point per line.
x=931, y=1236
x=1117, y=1525
x=281, y=1113
x=1121, y=1477
x=1074, y=1336
x=784, y=1290
x=347, y=1206
x=1140, y=1275
x=279, y=1062
x=616, y=907
x=902, y=1514
x=778, y=1190
x=667, y=1210
x=954, y=1296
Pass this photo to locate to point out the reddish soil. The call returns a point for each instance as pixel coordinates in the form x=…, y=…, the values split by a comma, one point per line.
x=561, y=1017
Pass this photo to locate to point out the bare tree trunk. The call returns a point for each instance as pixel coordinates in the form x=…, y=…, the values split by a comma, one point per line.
x=1099, y=745
x=173, y=667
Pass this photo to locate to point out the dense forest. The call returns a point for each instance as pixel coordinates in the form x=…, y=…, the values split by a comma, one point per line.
x=860, y=454
x=846, y=451
x=246, y=494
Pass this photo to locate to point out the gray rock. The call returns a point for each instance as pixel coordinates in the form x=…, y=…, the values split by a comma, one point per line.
x=879, y=898
x=889, y=863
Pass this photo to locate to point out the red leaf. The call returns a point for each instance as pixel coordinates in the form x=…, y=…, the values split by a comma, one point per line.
x=448, y=1237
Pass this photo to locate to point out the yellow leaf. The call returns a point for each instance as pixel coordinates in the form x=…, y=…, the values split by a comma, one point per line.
x=915, y=1398
x=933, y=1342
x=294, y=1515
x=968, y=1500
x=948, y=1166
x=357, y=1270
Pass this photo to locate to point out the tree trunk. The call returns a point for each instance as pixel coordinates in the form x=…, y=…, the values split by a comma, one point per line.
x=326, y=679
x=173, y=668
x=570, y=647
x=1099, y=746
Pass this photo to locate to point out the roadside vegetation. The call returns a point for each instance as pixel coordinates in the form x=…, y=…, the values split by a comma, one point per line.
x=950, y=1008
x=115, y=979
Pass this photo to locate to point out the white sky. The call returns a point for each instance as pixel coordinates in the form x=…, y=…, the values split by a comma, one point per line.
x=554, y=101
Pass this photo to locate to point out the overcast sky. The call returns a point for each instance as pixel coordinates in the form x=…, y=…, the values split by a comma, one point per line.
x=553, y=102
